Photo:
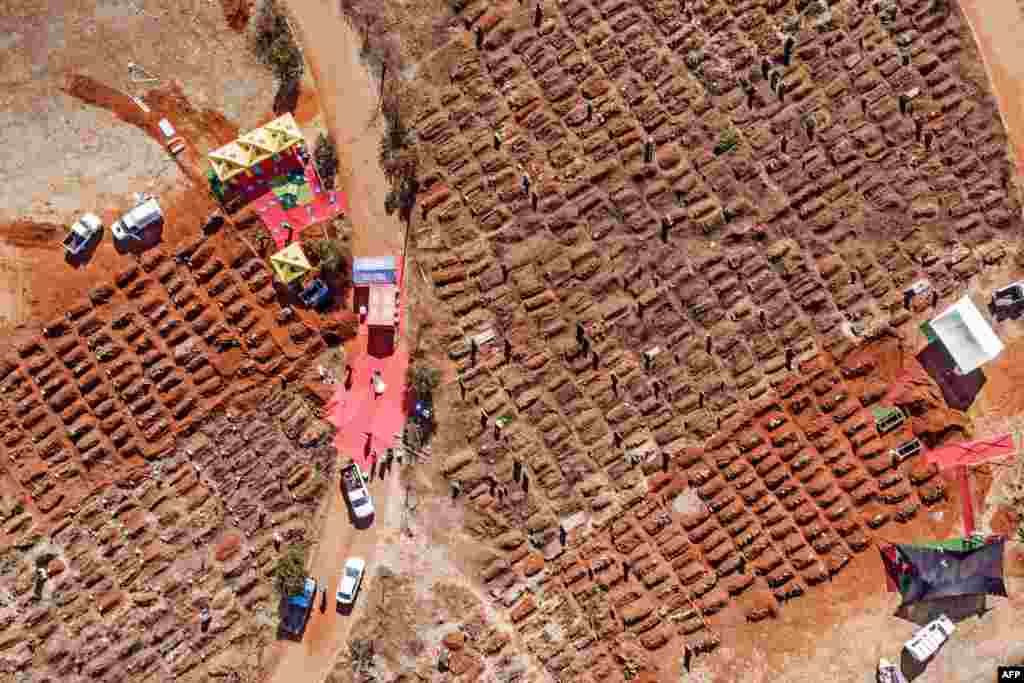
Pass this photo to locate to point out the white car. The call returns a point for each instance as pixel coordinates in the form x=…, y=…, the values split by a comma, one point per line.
x=929, y=639
x=351, y=578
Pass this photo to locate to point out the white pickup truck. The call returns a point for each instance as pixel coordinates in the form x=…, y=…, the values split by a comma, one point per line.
x=356, y=491
x=929, y=639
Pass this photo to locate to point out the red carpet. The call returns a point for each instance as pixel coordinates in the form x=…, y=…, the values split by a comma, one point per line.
x=323, y=207
x=365, y=423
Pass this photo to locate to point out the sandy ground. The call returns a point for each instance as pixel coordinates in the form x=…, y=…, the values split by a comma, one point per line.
x=349, y=97
x=997, y=30
x=82, y=157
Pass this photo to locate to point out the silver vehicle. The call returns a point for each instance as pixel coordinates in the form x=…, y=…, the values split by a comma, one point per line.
x=82, y=233
x=356, y=491
x=929, y=639
x=133, y=224
x=351, y=579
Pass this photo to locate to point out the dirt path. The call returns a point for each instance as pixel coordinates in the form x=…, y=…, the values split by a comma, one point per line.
x=327, y=632
x=348, y=96
x=997, y=32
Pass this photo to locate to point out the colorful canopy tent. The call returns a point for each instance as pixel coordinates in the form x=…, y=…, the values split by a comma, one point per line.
x=376, y=270
x=944, y=569
x=255, y=146
x=290, y=263
x=966, y=336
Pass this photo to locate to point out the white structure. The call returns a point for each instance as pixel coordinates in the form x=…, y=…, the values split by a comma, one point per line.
x=967, y=336
x=929, y=639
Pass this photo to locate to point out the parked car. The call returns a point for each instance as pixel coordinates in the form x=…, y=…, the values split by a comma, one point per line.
x=316, y=294
x=351, y=579
x=132, y=224
x=298, y=608
x=929, y=639
x=1008, y=300
x=356, y=491
x=82, y=233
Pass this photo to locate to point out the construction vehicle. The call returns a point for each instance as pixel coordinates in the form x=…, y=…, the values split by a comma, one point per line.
x=133, y=224
x=81, y=234
x=299, y=607
x=356, y=491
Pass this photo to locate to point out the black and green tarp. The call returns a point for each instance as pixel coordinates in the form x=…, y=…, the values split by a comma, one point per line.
x=961, y=566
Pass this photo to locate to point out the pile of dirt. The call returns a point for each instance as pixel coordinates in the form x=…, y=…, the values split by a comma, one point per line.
x=33, y=234
x=237, y=13
x=98, y=94
x=907, y=385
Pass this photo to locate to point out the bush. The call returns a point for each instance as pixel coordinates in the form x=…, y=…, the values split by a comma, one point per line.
x=330, y=255
x=423, y=379
x=348, y=325
x=275, y=45
x=326, y=160
x=397, y=135
x=727, y=142
x=290, y=572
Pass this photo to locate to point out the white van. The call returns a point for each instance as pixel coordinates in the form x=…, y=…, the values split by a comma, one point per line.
x=132, y=224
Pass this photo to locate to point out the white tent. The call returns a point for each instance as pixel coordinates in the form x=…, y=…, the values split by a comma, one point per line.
x=967, y=336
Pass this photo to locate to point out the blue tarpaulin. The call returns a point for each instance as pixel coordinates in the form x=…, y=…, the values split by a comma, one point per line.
x=377, y=270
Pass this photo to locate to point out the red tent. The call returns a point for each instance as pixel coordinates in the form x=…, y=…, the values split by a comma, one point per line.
x=960, y=456
x=971, y=452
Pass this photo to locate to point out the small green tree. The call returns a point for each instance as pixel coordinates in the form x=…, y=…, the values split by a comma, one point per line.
x=290, y=572
x=330, y=255
x=424, y=380
x=326, y=160
x=275, y=45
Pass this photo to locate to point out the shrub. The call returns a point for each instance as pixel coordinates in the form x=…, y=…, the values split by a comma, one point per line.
x=397, y=135
x=348, y=325
x=326, y=160
x=727, y=142
x=423, y=379
x=330, y=255
x=275, y=45
x=290, y=571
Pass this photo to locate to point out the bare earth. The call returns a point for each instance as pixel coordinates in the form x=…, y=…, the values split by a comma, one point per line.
x=137, y=473
x=84, y=159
